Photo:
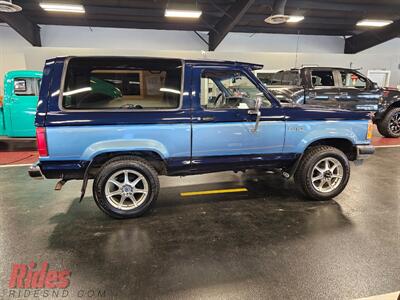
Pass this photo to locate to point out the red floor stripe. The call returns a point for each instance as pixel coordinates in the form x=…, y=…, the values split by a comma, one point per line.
x=16, y=158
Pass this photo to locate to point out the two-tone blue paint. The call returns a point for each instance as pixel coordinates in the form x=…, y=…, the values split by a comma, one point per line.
x=182, y=138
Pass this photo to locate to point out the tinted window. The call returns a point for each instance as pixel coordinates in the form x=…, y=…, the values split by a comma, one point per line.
x=351, y=79
x=286, y=78
x=26, y=86
x=229, y=89
x=322, y=78
x=122, y=83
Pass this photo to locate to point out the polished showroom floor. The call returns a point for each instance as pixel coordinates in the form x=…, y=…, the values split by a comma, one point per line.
x=265, y=243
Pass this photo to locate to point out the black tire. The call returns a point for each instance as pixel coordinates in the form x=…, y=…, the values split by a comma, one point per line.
x=131, y=163
x=304, y=173
x=384, y=126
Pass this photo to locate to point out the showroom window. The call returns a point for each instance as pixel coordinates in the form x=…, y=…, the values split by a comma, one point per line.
x=26, y=86
x=353, y=80
x=322, y=78
x=229, y=89
x=122, y=83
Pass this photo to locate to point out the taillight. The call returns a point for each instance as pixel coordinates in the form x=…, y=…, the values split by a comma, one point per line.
x=41, y=141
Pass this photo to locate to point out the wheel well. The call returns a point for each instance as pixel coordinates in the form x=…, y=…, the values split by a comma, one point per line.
x=152, y=157
x=394, y=104
x=343, y=145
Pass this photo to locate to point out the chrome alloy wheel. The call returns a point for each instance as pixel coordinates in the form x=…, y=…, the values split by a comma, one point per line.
x=126, y=189
x=327, y=175
x=394, y=123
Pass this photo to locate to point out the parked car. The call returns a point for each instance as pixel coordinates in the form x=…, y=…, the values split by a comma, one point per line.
x=340, y=88
x=18, y=107
x=124, y=121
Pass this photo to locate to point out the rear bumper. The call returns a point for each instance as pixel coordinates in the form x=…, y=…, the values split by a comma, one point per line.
x=364, y=151
x=58, y=169
x=35, y=172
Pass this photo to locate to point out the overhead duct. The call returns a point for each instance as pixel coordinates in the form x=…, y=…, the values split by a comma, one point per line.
x=278, y=13
x=6, y=6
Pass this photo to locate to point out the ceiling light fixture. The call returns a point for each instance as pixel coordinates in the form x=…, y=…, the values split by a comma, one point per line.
x=295, y=19
x=70, y=8
x=374, y=23
x=178, y=13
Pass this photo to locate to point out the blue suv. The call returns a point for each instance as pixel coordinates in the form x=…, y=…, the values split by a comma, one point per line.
x=123, y=121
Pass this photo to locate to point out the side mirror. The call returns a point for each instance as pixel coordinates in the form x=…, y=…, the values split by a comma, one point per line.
x=256, y=111
x=375, y=86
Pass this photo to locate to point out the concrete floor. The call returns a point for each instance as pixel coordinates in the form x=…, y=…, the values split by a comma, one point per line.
x=268, y=243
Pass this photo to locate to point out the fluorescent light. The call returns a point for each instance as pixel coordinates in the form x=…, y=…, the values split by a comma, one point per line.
x=177, y=13
x=77, y=91
x=295, y=19
x=374, y=23
x=167, y=90
x=71, y=8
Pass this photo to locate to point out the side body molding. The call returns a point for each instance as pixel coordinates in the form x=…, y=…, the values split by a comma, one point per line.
x=124, y=145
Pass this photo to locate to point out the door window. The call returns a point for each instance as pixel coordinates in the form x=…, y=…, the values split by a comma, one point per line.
x=26, y=86
x=322, y=78
x=229, y=89
x=353, y=80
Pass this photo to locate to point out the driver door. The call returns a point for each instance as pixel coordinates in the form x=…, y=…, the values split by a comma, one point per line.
x=23, y=104
x=223, y=126
x=356, y=92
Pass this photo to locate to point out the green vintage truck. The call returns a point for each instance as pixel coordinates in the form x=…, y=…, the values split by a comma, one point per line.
x=18, y=106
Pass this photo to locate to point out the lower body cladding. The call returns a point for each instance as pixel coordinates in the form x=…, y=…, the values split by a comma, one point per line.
x=127, y=186
x=188, y=166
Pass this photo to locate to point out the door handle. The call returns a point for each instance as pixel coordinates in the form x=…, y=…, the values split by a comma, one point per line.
x=344, y=94
x=206, y=119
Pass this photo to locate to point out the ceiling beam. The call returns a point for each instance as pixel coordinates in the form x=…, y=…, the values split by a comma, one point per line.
x=26, y=28
x=371, y=38
x=228, y=22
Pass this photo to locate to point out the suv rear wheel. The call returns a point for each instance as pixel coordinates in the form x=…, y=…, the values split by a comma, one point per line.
x=126, y=187
x=323, y=173
x=389, y=126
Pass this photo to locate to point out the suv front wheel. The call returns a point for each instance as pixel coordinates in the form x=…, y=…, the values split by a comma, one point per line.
x=126, y=187
x=323, y=173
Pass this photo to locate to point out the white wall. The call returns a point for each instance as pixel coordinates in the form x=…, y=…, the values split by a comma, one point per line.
x=273, y=50
x=260, y=42
x=120, y=38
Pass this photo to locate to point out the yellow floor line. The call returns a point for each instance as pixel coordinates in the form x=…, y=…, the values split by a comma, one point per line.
x=211, y=192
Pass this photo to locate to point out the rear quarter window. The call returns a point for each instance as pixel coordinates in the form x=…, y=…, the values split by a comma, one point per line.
x=122, y=83
x=286, y=78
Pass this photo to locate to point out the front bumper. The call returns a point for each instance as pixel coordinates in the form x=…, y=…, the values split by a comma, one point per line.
x=364, y=151
x=35, y=172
